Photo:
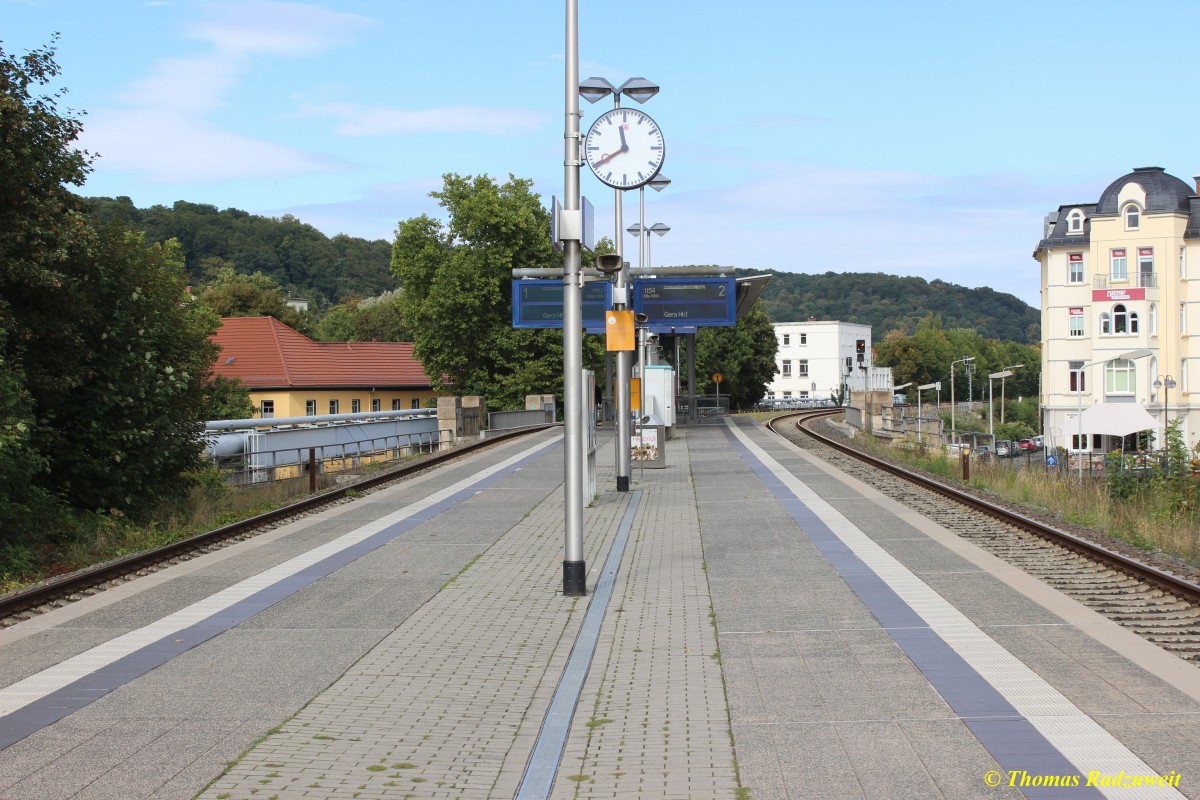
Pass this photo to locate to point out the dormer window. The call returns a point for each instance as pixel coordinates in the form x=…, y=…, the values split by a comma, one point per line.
x=1075, y=221
x=1133, y=216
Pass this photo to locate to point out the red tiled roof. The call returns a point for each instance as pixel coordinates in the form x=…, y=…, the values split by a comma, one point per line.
x=264, y=353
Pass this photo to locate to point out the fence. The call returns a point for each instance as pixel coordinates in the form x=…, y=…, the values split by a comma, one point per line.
x=263, y=466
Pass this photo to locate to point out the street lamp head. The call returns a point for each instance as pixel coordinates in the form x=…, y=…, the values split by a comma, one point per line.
x=635, y=229
x=1135, y=354
x=639, y=89
x=1002, y=374
x=659, y=182
x=659, y=228
x=594, y=89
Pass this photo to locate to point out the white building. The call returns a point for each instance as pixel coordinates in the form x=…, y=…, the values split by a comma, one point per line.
x=1115, y=279
x=816, y=358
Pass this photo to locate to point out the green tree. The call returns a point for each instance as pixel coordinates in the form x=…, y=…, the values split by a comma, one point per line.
x=227, y=398
x=233, y=294
x=103, y=362
x=744, y=355
x=457, y=296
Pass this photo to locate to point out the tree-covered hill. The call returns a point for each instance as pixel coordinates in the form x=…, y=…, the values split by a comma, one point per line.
x=888, y=302
x=297, y=256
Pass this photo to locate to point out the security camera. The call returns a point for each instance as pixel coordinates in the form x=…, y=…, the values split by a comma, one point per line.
x=641, y=319
x=609, y=264
x=652, y=338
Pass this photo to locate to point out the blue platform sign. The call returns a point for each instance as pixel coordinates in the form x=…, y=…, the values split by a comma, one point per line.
x=1051, y=461
x=539, y=304
x=680, y=302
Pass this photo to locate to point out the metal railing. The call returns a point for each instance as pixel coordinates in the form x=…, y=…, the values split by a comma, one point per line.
x=264, y=466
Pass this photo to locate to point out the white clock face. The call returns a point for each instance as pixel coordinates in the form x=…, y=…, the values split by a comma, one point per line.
x=624, y=148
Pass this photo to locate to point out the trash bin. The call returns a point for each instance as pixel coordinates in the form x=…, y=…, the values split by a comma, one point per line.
x=648, y=444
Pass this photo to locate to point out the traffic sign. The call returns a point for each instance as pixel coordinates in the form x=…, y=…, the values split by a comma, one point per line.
x=1051, y=461
x=539, y=304
x=686, y=301
x=717, y=377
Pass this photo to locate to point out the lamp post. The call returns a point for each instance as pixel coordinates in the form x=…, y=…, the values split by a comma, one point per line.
x=640, y=90
x=1011, y=366
x=991, y=417
x=1130, y=356
x=919, y=390
x=574, y=566
x=963, y=360
x=1168, y=383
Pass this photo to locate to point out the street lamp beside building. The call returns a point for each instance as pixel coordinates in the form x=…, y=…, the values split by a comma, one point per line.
x=963, y=360
x=992, y=417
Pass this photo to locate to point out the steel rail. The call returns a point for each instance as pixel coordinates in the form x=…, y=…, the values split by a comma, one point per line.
x=76, y=582
x=1177, y=586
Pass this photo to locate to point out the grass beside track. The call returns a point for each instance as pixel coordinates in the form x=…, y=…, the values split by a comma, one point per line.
x=1152, y=518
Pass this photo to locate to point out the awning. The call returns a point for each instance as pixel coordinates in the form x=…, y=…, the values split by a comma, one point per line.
x=1117, y=419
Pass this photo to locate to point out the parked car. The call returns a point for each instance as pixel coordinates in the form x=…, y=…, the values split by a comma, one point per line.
x=982, y=451
x=1027, y=446
x=1003, y=448
x=1040, y=441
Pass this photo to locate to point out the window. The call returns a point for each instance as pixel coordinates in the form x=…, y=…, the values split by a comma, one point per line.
x=1133, y=322
x=770, y=395
x=1183, y=262
x=787, y=339
x=1183, y=379
x=333, y=406
x=1120, y=319
x=1119, y=269
x=355, y=406
x=802, y=368
x=1105, y=323
x=375, y=404
x=1078, y=376
x=1154, y=319
x=1132, y=217
x=396, y=404
x=1075, y=221
x=416, y=403
x=1075, y=268
x=787, y=395
x=804, y=338
x=1119, y=375
x=1145, y=266
x=787, y=369
x=310, y=408
x=1076, y=326
x=266, y=409
x=1182, y=318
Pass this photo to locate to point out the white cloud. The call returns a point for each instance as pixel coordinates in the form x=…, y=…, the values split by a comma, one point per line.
x=374, y=215
x=170, y=147
x=359, y=120
x=262, y=27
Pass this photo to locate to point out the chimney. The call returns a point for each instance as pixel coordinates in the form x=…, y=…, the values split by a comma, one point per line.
x=1197, y=180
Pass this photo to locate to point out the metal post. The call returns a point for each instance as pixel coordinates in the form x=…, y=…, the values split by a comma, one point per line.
x=574, y=567
x=624, y=357
x=691, y=348
x=991, y=416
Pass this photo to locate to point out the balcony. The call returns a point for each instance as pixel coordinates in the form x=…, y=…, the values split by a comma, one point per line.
x=1147, y=280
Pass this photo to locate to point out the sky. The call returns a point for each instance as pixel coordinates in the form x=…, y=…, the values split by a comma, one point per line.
x=912, y=138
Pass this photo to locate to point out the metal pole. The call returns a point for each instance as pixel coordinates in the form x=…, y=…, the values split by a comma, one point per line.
x=991, y=419
x=952, y=401
x=624, y=357
x=574, y=567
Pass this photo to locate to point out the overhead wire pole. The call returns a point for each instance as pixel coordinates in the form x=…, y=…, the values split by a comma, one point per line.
x=574, y=566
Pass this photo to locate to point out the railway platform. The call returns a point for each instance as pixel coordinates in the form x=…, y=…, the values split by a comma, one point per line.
x=758, y=625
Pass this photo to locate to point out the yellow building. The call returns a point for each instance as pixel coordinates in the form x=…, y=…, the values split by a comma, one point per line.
x=290, y=375
x=1116, y=279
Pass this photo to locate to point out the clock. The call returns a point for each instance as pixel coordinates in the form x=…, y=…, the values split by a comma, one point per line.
x=624, y=148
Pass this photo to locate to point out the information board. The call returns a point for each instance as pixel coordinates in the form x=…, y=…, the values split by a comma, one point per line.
x=686, y=301
x=539, y=304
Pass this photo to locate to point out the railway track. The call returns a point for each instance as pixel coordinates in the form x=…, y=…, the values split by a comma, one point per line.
x=20, y=606
x=1162, y=607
